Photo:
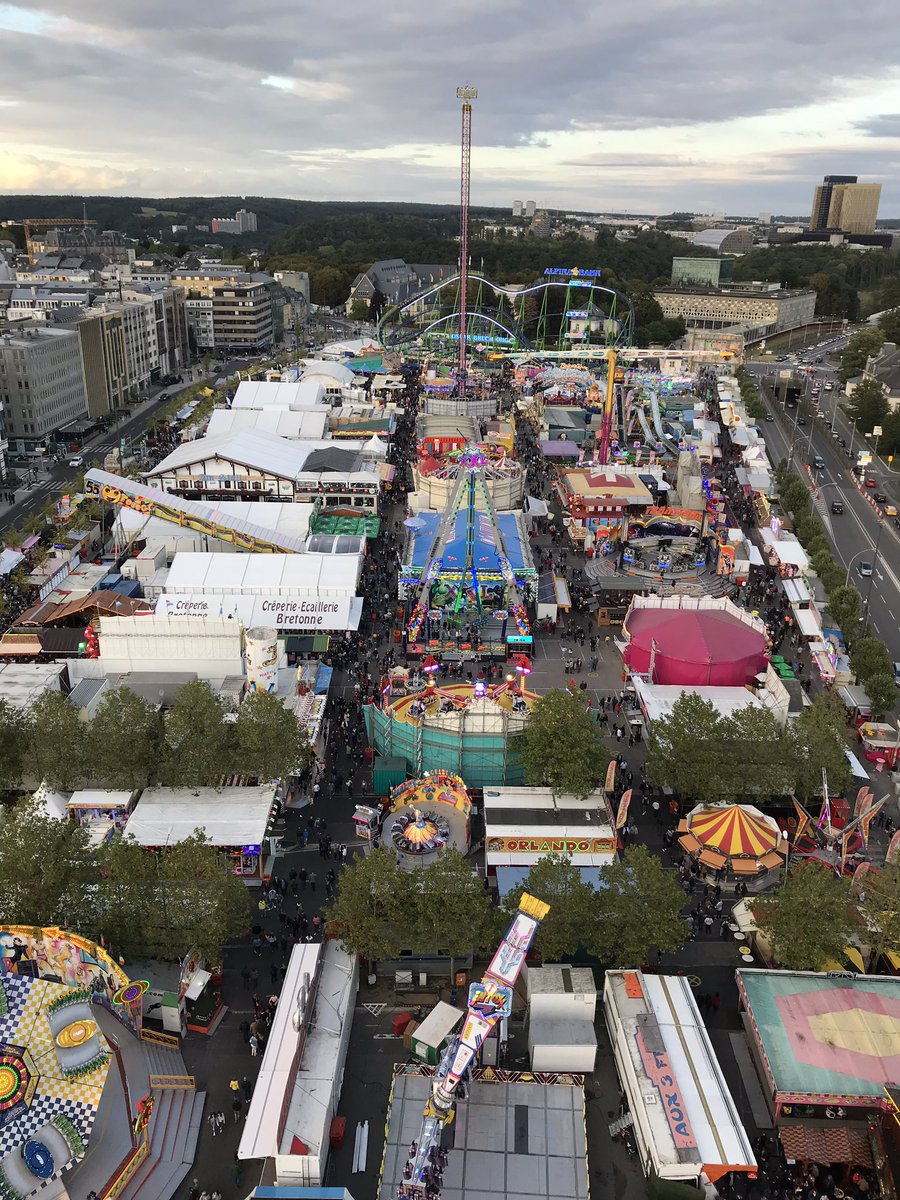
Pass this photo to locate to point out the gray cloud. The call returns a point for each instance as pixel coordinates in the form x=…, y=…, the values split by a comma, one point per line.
x=176, y=86
x=885, y=126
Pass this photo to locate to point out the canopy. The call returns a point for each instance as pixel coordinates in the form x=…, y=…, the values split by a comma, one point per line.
x=736, y=829
x=694, y=646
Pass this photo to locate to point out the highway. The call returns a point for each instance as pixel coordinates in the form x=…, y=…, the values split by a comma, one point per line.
x=857, y=532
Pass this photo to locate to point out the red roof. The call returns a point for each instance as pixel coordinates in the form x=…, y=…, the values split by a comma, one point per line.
x=694, y=647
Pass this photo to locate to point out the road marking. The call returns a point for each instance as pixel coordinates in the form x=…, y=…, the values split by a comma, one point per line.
x=375, y=1009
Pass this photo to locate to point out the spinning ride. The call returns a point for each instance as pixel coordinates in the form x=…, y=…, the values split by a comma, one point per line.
x=430, y=814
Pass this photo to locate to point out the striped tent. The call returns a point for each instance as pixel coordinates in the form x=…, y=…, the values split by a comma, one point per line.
x=737, y=838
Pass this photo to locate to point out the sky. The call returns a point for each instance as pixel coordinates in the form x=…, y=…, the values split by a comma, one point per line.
x=649, y=106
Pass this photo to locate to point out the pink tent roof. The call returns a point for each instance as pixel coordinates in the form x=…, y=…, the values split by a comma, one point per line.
x=694, y=647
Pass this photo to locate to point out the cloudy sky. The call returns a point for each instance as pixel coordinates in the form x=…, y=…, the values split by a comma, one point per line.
x=650, y=106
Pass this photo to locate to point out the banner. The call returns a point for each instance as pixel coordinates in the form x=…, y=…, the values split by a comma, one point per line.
x=804, y=820
x=610, y=776
x=291, y=613
x=622, y=816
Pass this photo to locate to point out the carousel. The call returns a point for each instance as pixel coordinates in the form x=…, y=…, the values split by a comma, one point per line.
x=429, y=815
x=736, y=839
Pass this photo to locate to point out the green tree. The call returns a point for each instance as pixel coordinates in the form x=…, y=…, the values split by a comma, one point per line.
x=808, y=920
x=638, y=909
x=882, y=692
x=198, y=901
x=128, y=889
x=562, y=746
x=858, y=351
x=685, y=751
x=569, y=924
x=47, y=870
x=868, y=406
x=198, y=747
x=818, y=737
x=758, y=752
x=889, y=324
x=372, y=909
x=15, y=735
x=878, y=901
x=124, y=740
x=359, y=310
x=269, y=743
x=870, y=656
x=844, y=606
x=58, y=750
x=451, y=909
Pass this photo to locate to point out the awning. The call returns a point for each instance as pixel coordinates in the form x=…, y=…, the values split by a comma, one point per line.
x=9, y=560
x=893, y=958
x=744, y=866
x=806, y=622
x=833, y=1144
x=535, y=507
x=198, y=982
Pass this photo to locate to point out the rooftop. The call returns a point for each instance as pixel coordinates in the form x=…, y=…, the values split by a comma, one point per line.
x=228, y=816
x=825, y=1038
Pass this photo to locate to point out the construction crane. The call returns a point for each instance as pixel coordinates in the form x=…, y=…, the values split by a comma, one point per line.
x=50, y=223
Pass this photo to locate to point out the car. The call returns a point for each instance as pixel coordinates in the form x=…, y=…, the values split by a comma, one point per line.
x=829, y=386
x=769, y=417
x=837, y=508
x=865, y=569
x=835, y=435
x=77, y=460
x=870, y=482
x=842, y=441
x=879, y=497
x=896, y=667
x=801, y=420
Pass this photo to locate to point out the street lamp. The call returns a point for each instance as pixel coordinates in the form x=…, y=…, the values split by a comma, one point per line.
x=876, y=434
x=872, y=576
x=865, y=550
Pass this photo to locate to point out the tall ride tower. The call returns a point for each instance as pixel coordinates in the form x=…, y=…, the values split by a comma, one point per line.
x=467, y=95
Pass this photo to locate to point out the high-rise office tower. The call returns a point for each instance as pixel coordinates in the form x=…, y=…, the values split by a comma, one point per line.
x=843, y=205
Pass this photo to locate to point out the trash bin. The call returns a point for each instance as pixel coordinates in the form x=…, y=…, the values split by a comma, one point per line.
x=399, y=1022
x=338, y=1129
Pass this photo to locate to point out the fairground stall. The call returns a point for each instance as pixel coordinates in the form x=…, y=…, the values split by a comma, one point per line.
x=523, y=824
x=680, y=1111
x=825, y=1050
x=234, y=820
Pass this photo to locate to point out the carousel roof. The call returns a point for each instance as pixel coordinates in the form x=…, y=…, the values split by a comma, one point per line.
x=737, y=829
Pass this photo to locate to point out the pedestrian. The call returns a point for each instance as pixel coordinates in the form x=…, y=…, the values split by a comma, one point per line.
x=716, y=1001
x=254, y=1045
x=220, y=1120
x=248, y=1088
x=245, y=1031
x=211, y=1121
x=234, y=1085
x=237, y=1107
x=311, y=879
x=194, y=1193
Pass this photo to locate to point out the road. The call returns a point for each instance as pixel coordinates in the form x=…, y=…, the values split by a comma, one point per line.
x=54, y=481
x=857, y=532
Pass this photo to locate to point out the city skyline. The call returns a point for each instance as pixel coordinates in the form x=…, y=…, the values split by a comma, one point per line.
x=652, y=110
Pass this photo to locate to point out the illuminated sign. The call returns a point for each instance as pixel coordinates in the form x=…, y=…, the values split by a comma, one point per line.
x=521, y=638
x=584, y=272
x=551, y=845
x=577, y=313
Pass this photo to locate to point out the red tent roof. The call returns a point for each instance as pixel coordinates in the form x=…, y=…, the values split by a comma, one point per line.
x=694, y=646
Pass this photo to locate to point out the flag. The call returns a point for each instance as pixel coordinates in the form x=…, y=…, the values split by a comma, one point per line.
x=893, y=852
x=610, y=775
x=804, y=820
x=866, y=818
x=622, y=815
x=845, y=844
x=861, y=796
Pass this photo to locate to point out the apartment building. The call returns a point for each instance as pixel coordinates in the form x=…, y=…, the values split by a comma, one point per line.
x=103, y=346
x=237, y=309
x=170, y=320
x=42, y=384
x=242, y=317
